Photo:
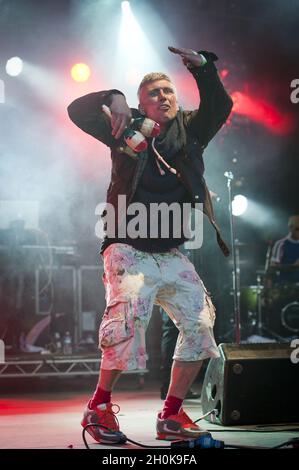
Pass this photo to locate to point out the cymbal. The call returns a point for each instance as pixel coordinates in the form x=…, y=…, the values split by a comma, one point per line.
x=241, y=262
x=253, y=288
x=238, y=243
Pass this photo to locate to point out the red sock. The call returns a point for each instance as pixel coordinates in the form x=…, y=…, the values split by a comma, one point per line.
x=100, y=396
x=172, y=406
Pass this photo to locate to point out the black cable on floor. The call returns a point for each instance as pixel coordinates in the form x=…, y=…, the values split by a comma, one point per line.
x=122, y=438
x=252, y=430
x=190, y=443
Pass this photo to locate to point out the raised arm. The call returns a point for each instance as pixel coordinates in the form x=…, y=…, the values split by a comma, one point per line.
x=215, y=103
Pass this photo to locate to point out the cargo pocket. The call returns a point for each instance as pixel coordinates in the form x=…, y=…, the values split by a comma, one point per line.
x=210, y=308
x=117, y=325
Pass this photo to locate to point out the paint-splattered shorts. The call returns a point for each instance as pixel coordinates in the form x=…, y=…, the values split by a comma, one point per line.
x=134, y=281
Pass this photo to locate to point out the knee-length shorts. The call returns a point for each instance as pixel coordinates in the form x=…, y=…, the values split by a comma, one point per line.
x=134, y=281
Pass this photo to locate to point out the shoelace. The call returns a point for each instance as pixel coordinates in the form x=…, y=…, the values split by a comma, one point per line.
x=110, y=417
x=184, y=418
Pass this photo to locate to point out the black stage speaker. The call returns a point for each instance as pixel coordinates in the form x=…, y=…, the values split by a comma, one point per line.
x=251, y=384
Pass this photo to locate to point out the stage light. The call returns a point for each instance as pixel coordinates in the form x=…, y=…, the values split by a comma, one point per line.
x=130, y=31
x=239, y=205
x=262, y=112
x=45, y=82
x=135, y=53
x=80, y=72
x=125, y=6
x=14, y=66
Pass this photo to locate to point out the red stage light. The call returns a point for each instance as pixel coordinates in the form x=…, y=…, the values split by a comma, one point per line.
x=264, y=113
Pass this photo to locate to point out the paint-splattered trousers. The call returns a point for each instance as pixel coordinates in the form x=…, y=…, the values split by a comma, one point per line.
x=134, y=281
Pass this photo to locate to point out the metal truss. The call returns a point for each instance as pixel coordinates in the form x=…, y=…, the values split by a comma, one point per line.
x=51, y=366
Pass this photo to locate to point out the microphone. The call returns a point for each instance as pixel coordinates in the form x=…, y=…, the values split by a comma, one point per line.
x=229, y=175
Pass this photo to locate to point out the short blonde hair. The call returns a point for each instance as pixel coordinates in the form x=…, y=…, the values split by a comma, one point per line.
x=152, y=77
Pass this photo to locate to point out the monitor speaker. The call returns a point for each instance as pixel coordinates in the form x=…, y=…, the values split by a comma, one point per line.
x=252, y=384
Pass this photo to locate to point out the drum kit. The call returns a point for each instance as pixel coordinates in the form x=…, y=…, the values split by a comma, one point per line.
x=270, y=308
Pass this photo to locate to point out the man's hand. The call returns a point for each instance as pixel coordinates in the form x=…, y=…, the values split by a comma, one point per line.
x=120, y=115
x=189, y=56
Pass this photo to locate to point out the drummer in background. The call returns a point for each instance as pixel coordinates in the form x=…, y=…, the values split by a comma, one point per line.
x=285, y=254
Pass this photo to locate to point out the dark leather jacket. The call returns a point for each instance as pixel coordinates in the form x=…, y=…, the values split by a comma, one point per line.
x=201, y=126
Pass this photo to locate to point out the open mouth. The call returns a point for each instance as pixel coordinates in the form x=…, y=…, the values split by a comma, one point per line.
x=164, y=107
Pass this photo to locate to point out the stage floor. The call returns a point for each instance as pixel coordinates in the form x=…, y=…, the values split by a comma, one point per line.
x=50, y=419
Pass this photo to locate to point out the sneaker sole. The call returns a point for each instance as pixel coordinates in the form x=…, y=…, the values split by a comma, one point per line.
x=99, y=440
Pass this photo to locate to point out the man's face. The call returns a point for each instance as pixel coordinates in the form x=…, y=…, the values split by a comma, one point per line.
x=159, y=101
x=294, y=230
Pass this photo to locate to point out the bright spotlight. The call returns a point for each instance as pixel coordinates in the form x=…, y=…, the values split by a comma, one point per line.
x=239, y=205
x=130, y=31
x=125, y=6
x=134, y=52
x=14, y=66
x=80, y=72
